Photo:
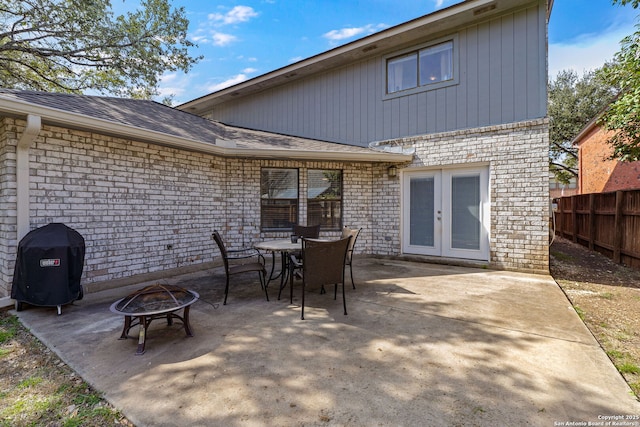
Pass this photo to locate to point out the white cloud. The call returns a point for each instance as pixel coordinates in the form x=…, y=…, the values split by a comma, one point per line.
x=169, y=77
x=587, y=53
x=239, y=78
x=295, y=59
x=167, y=91
x=347, y=33
x=234, y=16
x=344, y=33
x=249, y=70
x=173, y=84
x=199, y=39
x=222, y=39
x=216, y=20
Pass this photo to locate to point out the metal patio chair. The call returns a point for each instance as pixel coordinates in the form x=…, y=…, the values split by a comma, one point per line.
x=322, y=263
x=251, y=260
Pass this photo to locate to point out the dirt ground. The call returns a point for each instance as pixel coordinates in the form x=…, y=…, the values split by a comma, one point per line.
x=607, y=298
x=38, y=389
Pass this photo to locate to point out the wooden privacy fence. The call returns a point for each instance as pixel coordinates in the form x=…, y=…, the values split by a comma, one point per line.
x=605, y=222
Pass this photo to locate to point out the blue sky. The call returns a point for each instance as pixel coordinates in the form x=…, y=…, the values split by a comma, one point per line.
x=246, y=38
x=584, y=34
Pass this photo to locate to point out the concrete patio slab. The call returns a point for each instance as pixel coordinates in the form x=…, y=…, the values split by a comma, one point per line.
x=422, y=345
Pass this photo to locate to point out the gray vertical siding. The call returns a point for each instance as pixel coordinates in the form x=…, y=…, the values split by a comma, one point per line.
x=502, y=79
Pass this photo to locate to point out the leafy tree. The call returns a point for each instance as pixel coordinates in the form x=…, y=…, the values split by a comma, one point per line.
x=77, y=45
x=623, y=115
x=633, y=3
x=573, y=102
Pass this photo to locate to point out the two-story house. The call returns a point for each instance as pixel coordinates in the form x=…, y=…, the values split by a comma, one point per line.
x=431, y=136
x=464, y=89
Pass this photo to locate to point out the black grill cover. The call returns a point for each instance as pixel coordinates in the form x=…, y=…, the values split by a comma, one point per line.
x=49, y=266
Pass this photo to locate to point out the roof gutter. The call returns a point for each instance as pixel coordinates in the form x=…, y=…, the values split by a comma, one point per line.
x=318, y=155
x=59, y=117
x=30, y=133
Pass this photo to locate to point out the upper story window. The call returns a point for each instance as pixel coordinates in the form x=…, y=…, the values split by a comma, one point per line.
x=427, y=66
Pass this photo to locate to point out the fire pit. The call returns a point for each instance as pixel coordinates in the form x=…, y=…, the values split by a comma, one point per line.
x=154, y=302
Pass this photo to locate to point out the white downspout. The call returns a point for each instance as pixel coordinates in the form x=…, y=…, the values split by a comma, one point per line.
x=31, y=132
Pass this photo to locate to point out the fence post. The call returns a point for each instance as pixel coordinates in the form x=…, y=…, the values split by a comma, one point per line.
x=559, y=218
x=592, y=220
x=574, y=219
x=617, y=239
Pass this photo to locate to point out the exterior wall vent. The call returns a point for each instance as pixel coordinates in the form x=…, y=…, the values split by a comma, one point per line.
x=485, y=9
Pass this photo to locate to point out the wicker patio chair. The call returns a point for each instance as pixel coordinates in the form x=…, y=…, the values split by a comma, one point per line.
x=353, y=232
x=322, y=263
x=306, y=231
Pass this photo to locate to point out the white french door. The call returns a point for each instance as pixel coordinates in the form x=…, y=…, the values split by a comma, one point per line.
x=446, y=213
x=422, y=213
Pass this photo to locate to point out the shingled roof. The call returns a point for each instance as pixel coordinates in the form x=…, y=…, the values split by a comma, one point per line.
x=143, y=114
x=155, y=122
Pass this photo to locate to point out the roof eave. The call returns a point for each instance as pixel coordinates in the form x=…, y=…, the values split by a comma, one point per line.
x=593, y=123
x=318, y=155
x=57, y=117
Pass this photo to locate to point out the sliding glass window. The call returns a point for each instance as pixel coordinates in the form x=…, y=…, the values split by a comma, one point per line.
x=421, y=68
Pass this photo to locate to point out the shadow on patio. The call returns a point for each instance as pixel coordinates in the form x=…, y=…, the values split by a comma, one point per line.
x=422, y=345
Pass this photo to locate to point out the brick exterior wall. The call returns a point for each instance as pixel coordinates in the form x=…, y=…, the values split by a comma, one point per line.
x=145, y=208
x=358, y=208
x=517, y=155
x=599, y=175
x=132, y=200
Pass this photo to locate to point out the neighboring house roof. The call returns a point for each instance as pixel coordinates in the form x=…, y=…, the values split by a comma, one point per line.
x=154, y=122
x=597, y=173
x=434, y=24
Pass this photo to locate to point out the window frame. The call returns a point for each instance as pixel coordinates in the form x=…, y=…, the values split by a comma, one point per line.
x=310, y=200
x=453, y=39
x=262, y=200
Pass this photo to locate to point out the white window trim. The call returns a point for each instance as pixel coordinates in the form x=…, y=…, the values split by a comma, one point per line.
x=440, y=251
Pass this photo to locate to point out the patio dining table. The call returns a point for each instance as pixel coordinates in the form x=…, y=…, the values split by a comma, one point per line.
x=284, y=247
